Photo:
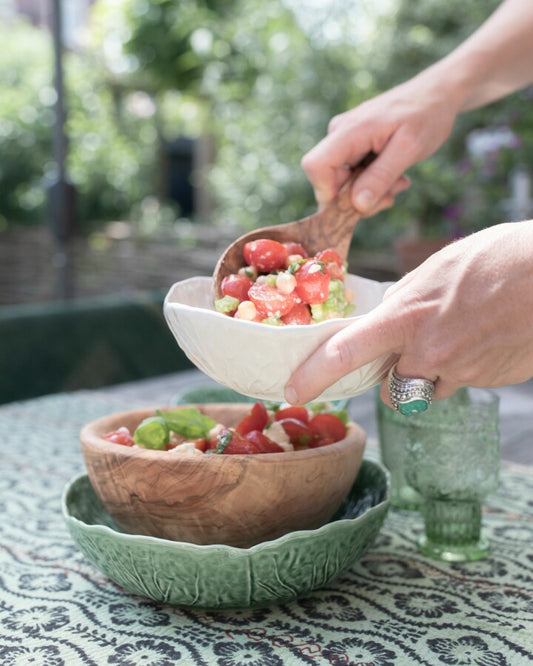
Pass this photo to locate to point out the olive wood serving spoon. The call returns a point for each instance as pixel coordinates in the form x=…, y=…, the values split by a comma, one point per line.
x=332, y=226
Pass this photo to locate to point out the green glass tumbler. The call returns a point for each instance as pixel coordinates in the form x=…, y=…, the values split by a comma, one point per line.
x=393, y=431
x=453, y=461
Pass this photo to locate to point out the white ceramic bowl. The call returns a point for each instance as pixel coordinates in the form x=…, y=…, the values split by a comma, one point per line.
x=256, y=359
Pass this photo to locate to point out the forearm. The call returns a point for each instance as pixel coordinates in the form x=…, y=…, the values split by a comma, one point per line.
x=494, y=61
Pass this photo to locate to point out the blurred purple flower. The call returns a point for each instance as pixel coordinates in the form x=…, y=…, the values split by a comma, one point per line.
x=464, y=165
x=452, y=212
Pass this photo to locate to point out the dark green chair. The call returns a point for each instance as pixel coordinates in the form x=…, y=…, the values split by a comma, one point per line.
x=84, y=343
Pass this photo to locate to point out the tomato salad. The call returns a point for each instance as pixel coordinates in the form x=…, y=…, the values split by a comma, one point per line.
x=281, y=284
x=261, y=430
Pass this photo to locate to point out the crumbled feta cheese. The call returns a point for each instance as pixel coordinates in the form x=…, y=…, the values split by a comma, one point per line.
x=293, y=259
x=315, y=268
x=186, y=447
x=215, y=431
x=285, y=282
x=277, y=434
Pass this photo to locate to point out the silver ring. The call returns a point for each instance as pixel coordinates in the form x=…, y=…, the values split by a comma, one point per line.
x=409, y=395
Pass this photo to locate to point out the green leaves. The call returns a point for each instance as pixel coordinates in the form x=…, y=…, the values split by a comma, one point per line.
x=188, y=422
x=154, y=431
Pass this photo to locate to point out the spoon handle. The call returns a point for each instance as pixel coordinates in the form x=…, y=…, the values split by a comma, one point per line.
x=334, y=225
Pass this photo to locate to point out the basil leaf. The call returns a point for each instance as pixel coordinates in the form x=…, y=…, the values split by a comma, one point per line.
x=152, y=433
x=188, y=422
x=272, y=406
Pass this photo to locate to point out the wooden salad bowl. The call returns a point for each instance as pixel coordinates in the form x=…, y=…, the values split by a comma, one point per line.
x=237, y=500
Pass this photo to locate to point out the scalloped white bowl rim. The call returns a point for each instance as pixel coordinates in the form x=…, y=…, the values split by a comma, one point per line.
x=256, y=359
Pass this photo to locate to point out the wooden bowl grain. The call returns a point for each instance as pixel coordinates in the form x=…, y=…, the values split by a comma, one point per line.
x=236, y=500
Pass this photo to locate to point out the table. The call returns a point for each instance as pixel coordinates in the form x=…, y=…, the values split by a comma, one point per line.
x=392, y=607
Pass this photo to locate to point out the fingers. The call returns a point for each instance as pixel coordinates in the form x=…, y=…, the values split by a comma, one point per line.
x=325, y=164
x=384, y=176
x=403, y=183
x=365, y=340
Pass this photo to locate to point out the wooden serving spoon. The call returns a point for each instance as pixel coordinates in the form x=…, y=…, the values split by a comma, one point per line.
x=332, y=226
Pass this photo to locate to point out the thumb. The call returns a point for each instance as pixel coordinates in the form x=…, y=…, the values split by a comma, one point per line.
x=366, y=339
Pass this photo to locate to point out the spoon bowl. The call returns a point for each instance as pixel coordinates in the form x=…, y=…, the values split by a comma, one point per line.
x=331, y=227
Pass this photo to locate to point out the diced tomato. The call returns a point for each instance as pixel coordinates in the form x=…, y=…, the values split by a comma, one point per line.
x=230, y=442
x=201, y=444
x=327, y=426
x=211, y=444
x=236, y=285
x=300, y=434
x=312, y=282
x=334, y=263
x=293, y=412
x=300, y=314
x=269, y=301
x=265, y=254
x=295, y=248
x=261, y=443
x=329, y=255
x=256, y=419
x=121, y=436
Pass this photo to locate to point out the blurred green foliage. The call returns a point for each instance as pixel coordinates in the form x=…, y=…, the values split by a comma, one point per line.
x=113, y=146
x=263, y=80
x=26, y=119
x=453, y=193
x=267, y=89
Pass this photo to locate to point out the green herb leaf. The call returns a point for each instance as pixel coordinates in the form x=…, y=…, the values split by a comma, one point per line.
x=271, y=406
x=342, y=414
x=329, y=408
x=188, y=422
x=223, y=441
x=296, y=266
x=152, y=433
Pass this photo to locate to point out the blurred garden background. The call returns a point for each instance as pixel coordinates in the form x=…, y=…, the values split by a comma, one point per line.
x=185, y=123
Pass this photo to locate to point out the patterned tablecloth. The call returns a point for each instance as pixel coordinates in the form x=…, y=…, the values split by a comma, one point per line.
x=393, y=607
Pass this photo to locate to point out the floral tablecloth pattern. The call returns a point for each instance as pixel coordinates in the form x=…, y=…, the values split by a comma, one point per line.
x=392, y=607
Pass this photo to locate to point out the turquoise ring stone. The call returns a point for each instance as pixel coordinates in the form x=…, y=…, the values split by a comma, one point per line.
x=414, y=406
x=410, y=395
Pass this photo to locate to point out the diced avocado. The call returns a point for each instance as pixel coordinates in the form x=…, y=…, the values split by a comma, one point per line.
x=188, y=422
x=334, y=306
x=272, y=321
x=226, y=304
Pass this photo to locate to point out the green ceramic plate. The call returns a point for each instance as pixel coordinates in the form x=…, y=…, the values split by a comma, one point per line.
x=217, y=576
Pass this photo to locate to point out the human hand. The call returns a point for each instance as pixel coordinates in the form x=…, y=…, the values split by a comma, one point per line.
x=401, y=126
x=462, y=318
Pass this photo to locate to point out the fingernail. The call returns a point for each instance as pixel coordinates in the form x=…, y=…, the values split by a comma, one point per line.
x=364, y=200
x=291, y=395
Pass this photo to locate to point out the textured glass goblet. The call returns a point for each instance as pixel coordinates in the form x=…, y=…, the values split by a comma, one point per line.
x=453, y=461
x=393, y=432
